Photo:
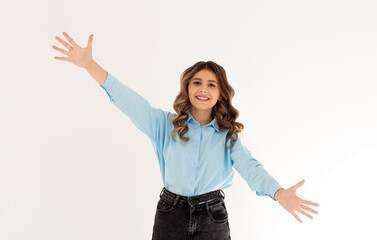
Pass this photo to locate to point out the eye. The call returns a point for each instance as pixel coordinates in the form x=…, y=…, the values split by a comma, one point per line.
x=212, y=85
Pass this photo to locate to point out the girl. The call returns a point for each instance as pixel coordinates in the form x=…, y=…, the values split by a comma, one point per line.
x=194, y=167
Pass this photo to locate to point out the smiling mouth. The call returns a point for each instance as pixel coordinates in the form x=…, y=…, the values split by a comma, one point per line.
x=203, y=100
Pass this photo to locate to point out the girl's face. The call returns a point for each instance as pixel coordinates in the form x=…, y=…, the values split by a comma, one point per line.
x=204, y=84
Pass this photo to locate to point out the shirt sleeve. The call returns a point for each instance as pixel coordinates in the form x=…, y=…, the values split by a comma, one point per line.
x=151, y=121
x=252, y=170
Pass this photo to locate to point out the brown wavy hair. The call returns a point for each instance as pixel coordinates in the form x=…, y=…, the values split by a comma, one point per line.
x=223, y=110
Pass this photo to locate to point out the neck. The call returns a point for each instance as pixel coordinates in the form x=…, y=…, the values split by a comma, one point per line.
x=201, y=116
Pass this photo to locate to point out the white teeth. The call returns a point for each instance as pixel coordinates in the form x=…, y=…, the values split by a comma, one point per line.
x=202, y=98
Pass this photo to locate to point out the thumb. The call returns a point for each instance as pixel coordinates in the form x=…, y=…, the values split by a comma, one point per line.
x=90, y=40
x=300, y=183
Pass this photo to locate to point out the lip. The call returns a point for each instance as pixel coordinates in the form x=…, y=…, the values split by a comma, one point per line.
x=203, y=96
x=201, y=100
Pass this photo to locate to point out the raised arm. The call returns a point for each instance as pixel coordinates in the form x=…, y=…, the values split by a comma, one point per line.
x=151, y=121
x=96, y=71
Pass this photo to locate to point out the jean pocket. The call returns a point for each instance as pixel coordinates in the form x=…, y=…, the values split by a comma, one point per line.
x=165, y=205
x=217, y=211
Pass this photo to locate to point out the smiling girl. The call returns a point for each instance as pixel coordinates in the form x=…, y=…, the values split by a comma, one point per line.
x=197, y=148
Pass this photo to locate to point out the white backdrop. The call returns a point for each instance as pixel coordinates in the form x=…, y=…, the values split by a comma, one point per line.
x=72, y=166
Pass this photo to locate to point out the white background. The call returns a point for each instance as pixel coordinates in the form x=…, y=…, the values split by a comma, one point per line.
x=72, y=166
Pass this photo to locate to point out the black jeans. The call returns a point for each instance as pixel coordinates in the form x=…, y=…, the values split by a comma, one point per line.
x=193, y=218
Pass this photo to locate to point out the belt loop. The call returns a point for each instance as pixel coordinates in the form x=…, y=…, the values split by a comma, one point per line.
x=176, y=200
x=223, y=194
x=162, y=191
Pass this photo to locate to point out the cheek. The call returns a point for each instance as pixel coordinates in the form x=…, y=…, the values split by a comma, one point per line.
x=216, y=94
x=191, y=90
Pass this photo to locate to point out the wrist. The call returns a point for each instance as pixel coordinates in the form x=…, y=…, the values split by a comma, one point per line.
x=89, y=64
x=278, y=193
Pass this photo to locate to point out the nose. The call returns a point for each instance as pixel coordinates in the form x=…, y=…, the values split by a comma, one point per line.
x=204, y=89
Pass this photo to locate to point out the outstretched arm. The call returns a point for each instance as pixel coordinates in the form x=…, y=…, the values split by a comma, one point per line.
x=148, y=119
x=288, y=199
x=253, y=171
x=96, y=71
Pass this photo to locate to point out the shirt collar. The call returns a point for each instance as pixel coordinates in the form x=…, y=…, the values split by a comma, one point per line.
x=213, y=123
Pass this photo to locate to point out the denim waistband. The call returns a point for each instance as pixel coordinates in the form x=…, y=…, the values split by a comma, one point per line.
x=195, y=200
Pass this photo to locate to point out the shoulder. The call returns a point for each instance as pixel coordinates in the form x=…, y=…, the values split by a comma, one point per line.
x=238, y=142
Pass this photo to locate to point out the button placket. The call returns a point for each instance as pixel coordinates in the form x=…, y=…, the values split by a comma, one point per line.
x=195, y=159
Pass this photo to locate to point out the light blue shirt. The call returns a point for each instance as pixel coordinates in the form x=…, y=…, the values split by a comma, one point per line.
x=202, y=164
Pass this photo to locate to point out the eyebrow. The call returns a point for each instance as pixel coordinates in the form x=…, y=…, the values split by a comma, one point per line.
x=201, y=80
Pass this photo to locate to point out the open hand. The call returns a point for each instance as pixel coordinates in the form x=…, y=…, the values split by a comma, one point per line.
x=288, y=199
x=76, y=54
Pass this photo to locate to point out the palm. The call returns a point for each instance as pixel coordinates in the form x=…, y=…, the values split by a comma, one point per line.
x=291, y=202
x=76, y=54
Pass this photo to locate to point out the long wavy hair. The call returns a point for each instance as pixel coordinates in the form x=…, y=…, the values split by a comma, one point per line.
x=223, y=110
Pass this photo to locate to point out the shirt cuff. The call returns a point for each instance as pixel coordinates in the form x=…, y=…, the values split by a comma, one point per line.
x=274, y=186
x=275, y=189
x=108, y=82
